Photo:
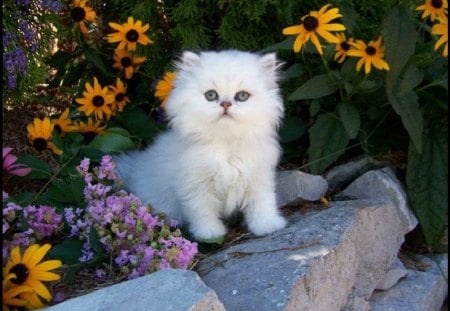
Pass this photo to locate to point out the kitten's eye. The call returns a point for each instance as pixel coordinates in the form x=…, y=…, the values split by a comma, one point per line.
x=241, y=96
x=211, y=95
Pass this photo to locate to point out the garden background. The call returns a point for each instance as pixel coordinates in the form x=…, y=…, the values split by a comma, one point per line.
x=73, y=94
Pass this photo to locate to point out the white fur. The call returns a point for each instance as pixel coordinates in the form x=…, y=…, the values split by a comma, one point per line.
x=207, y=165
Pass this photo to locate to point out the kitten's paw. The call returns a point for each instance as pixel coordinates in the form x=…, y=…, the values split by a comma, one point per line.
x=208, y=231
x=265, y=225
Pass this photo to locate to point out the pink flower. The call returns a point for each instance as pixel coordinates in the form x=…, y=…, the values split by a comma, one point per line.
x=10, y=166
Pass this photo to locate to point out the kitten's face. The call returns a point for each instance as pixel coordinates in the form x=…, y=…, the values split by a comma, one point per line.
x=225, y=91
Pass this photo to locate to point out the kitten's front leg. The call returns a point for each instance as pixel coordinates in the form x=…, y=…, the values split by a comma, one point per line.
x=261, y=212
x=202, y=211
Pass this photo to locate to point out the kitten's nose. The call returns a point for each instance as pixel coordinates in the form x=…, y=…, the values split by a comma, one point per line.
x=225, y=105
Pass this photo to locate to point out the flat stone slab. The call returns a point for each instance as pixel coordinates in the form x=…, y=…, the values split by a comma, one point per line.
x=293, y=186
x=315, y=263
x=170, y=289
x=418, y=291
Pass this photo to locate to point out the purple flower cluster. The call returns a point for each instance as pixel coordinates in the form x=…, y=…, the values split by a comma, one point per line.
x=52, y=5
x=44, y=220
x=15, y=62
x=138, y=241
x=29, y=35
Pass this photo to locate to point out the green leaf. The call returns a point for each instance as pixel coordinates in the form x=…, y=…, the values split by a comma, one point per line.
x=294, y=71
x=39, y=169
x=316, y=87
x=407, y=106
x=94, y=242
x=217, y=240
x=410, y=78
x=292, y=129
x=328, y=140
x=138, y=123
x=95, y=58
x=399, y=37
x=112, y=143
x=427, y=182
x=314, y=107
x=349, y=16
x=70, y=192
x=286, y=44
x=68, y=251
x=350, y=118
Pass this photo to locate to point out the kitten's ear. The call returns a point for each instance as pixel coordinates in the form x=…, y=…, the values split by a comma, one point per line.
x=269, y=61
x=188, y=59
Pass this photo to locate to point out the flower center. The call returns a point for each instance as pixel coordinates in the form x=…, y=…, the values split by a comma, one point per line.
x=370, y=50
x=21, y=271
x=98, y=101
x=119, y=97
x=437, y=4
x=345, y=46
x=78, y=14
x=125, y=62
x=132, y=35
x=40, y=144
x=310, y=23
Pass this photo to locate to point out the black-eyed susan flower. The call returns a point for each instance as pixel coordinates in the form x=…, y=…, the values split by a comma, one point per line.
x=11, y=293
x=433, y=9
x=313, y=24
x=64, y=124
x=124, y=60
x=96, y=100
x=28, y=270
x=164, y=87
x=129, y=34
x=370, y=54
x=342, y=47
x=39, y=133
x=82, y=13
x=441, y=29
x=90, y=129
x=119, y=91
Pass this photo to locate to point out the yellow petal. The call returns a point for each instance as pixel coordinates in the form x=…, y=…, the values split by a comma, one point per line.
x=292, y=30
x=116, y=26
x=48, y=265
x=29, y=253
x=316, y=43
x=39, y=288
x=46, y=276
x=37, y=255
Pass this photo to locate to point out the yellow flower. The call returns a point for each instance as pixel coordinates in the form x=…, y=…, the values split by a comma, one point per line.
x=129, y=33
x=29, y=272
x=40, y=135
x=342, y=47
x=434, y=9
x=316, y=23
x=124, y=60
x=96, y=100
x=441, y=29
x=371, y=54
x=164, y=87
x=118, y=91
x=11, y=293
x=81, y=12
x=64, y=124
x=90, y=129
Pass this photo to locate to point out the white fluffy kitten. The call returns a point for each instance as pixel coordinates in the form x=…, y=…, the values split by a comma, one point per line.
x=220, y=152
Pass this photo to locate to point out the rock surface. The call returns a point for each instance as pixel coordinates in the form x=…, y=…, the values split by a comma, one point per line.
x=315, y=263
x=293, y=186
x=393, y=275
x=341, y=175
x=383, y=183
x=163, y=290
x=418, y=291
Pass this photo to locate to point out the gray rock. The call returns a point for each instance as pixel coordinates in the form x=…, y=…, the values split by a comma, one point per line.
x=292, y=186
x=383, y=183
x=170, y=289
x=315, y=263
x=341, y=175
x=418, y=291
x=393, y=275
